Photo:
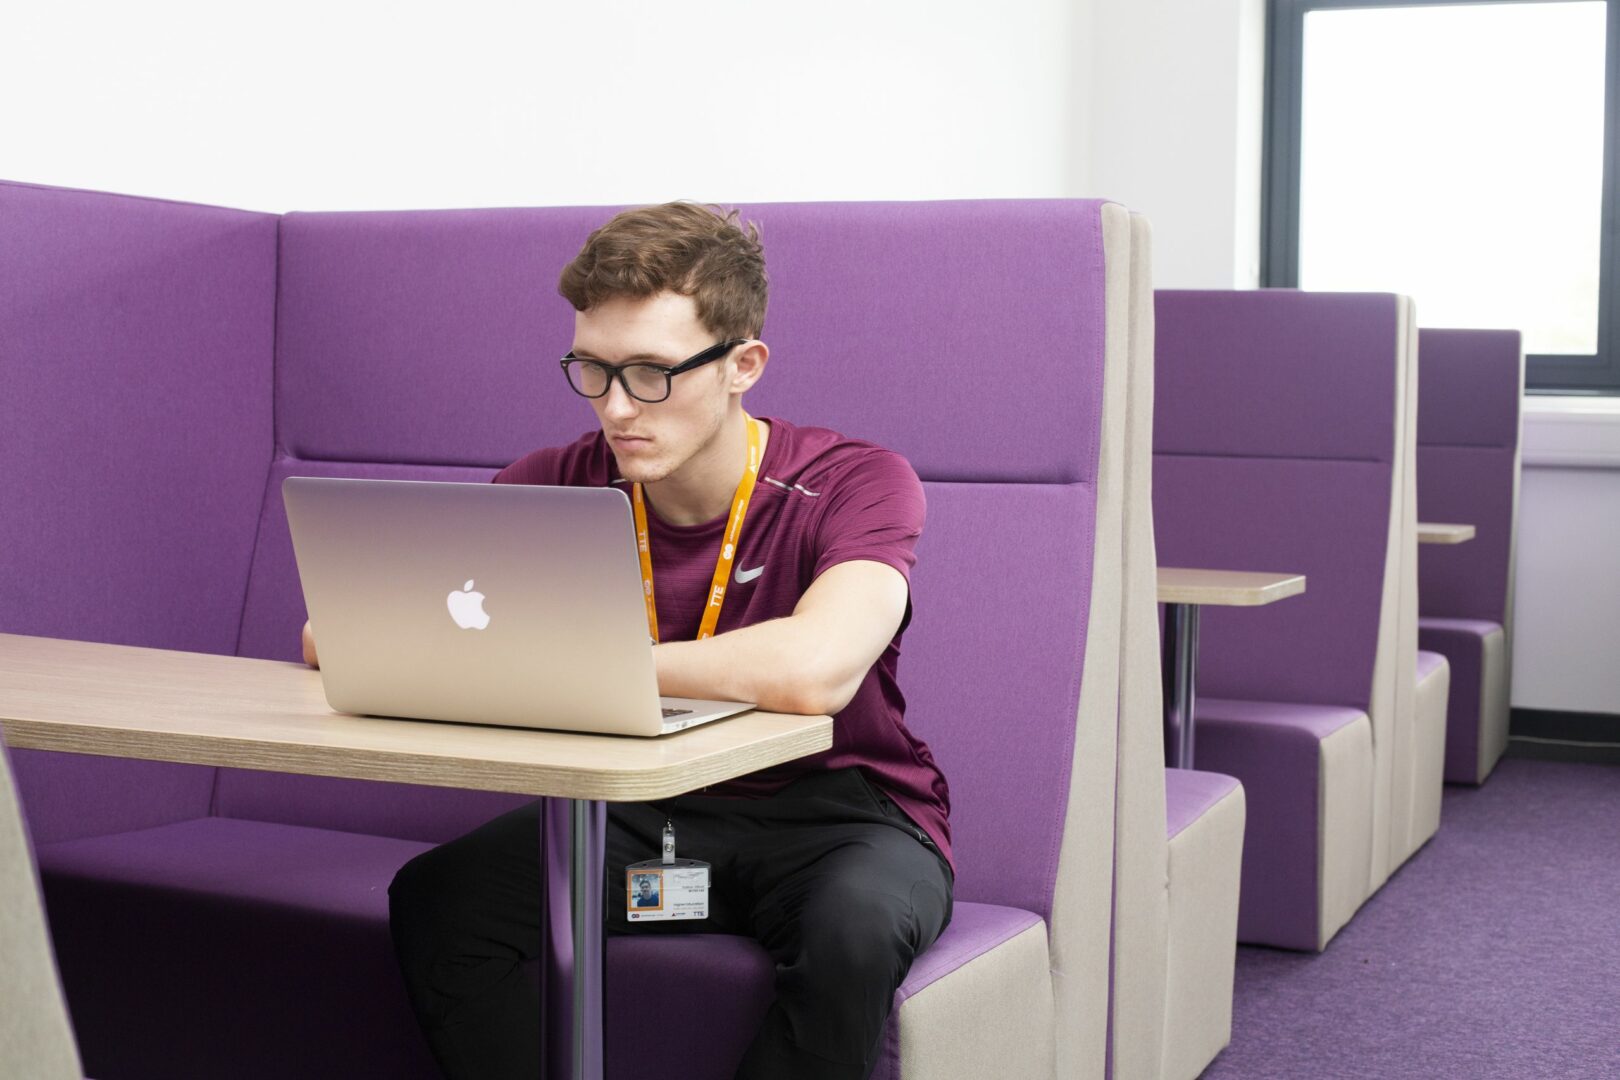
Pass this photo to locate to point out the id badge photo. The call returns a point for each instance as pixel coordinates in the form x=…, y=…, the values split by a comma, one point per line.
x=666, y=887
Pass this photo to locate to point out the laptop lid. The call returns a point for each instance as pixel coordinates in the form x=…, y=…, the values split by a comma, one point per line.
x=482, y=603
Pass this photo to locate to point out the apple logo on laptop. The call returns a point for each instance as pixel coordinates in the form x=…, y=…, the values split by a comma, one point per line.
x=467, y=608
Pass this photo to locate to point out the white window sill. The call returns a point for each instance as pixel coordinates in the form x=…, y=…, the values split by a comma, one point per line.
x=1571, y=432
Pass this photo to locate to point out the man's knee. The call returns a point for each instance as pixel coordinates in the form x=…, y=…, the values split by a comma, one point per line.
x=856, y=939
x=418, y=919
x=420, y=886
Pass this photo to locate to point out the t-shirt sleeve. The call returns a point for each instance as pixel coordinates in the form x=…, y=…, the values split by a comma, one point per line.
x=874, y=510
x=577, y=464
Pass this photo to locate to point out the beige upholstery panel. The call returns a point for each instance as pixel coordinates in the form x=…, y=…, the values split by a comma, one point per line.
x=1083, y=896
x=1417, y=785
x=1495, y=694
x=990, y=1017
x=1205, y=867
x=1422, y=784
x=1141, y=887
x=1345, y=792
x=1429, y=774
x=35, y=1036
x=1395, y=664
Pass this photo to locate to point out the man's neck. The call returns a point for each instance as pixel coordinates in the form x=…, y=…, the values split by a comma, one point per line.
x=702, y=488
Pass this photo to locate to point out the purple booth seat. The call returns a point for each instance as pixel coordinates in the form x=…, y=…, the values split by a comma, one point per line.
x=1278, y=446
x=1175, y=885
x=34, y=1030
x=416, y=345
x=1468, y=472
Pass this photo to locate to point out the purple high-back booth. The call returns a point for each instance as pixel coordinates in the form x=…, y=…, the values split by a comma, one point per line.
x=1276, y=428
x=170, y=365
x=1472, y=383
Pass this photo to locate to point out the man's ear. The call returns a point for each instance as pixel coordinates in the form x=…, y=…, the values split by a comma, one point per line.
x=748, y=365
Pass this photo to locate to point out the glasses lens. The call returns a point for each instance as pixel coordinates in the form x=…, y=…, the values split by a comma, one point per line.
x=587, y=378
x=647, y=382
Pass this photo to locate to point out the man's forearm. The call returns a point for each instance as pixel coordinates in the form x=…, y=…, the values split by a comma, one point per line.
x=773, y=664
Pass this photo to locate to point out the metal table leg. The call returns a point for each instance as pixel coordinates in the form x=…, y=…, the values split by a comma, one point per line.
x=588, y=821
x=572, y=838
x=1180, y=677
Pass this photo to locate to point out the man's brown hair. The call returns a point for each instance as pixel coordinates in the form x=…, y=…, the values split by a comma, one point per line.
x=703, y=252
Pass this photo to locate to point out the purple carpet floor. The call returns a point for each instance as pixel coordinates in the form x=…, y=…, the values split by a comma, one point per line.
x=1494, y=952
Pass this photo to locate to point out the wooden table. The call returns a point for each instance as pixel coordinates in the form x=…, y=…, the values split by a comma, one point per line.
x=1435, y=533
x=1184, y=592
x=259, y=714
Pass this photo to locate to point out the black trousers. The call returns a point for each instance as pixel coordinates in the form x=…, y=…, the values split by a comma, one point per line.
x=837, y=884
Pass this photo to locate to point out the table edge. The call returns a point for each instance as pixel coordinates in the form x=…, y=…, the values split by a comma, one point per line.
x=573, y=782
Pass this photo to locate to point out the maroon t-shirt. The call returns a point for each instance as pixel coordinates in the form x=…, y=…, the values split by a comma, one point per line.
x=821, y=499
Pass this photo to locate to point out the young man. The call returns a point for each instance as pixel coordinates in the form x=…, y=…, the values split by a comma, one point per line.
x=838, y=864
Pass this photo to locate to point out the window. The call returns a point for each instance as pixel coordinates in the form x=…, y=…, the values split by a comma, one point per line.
x=1457, y=152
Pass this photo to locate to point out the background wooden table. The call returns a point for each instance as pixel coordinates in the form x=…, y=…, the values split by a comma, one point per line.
x=1184, y=592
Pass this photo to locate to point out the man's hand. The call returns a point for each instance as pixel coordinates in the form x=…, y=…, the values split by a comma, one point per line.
x=309, y=647
x=811, y=662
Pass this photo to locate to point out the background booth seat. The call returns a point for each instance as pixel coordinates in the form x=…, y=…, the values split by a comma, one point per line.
x=1277, y=446
x=420, y=345
x=1177, y=854
x=1468, y=462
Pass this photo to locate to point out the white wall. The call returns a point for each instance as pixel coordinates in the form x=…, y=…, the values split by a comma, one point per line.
x=1566, y=647
x=1176, y=104
x=362, y=104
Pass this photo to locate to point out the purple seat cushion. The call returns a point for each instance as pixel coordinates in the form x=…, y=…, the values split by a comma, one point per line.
x=1428, y=663
x=701, y=1032
x=278, y=935
x=1189, y=793
x=1273, y=750
x=218, y=947
x=1462, y=643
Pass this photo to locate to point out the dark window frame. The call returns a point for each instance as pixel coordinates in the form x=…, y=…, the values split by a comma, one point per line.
x=1279, y=242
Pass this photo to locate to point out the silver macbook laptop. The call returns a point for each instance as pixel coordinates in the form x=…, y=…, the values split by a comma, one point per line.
x=481, y=603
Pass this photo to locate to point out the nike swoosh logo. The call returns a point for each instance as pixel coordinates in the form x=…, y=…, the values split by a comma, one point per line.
x=745, y=576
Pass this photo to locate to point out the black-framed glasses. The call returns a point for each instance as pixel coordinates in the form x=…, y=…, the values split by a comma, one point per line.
x=642, y=381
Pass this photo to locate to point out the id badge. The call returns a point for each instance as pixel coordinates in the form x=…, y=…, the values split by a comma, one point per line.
x=667, y=887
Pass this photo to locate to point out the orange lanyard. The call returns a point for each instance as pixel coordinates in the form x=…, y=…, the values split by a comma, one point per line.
x=728, y=546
